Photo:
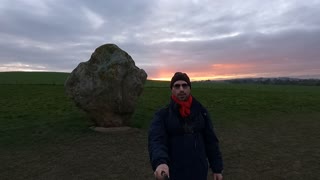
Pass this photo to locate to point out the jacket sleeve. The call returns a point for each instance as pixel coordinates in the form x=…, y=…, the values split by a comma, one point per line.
x=212, y=145
x=158, y=141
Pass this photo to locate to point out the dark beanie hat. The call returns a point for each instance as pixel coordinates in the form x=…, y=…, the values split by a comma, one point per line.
x=180, y=76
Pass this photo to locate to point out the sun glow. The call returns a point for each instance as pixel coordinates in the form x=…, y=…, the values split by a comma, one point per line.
x=194, y=76
x=204, y=78
x=160, y=79
x=211, y=72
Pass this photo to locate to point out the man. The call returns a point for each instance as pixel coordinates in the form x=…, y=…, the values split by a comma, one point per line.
x=181, y=137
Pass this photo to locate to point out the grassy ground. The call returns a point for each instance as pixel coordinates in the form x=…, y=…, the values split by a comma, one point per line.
x=266, y=132
x=52, y=78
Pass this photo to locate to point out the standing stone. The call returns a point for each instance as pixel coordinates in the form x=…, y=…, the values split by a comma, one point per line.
x=107, y=86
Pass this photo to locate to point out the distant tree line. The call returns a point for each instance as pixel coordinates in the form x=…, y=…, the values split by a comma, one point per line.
x=280, y=81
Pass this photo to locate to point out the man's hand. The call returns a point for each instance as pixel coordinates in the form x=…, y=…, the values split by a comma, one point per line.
x=161, y=170
x=217, y=176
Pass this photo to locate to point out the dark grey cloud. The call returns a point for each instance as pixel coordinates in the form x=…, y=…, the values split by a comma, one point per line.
x=202, y=37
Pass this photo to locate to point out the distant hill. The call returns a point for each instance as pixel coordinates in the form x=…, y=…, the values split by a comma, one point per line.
x=278, y=80
x=58, y=78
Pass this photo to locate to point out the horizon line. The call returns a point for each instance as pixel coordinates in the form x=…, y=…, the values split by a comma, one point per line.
x=311, y=76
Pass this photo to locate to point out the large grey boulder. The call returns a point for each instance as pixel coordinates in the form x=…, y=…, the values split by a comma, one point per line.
x=107, y=86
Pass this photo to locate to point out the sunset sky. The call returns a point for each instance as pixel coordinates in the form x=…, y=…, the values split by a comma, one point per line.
x=207, y=39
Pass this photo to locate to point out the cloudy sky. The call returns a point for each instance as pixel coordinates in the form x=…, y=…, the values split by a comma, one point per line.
x=208, y=39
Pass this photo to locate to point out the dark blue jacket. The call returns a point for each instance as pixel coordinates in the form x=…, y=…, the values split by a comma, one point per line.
x=184, y=144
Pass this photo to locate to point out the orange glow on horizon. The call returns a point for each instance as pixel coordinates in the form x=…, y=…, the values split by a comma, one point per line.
x=160, y=79
x=162, y=75
x=204, y=78
x=211, y=72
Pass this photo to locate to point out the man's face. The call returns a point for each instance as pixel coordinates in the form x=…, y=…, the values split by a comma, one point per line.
x=181, y=90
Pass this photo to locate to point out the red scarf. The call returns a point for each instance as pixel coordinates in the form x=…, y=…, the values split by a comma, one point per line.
x=184, y=105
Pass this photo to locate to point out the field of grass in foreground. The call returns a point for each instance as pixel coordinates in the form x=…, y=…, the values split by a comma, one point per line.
x=266, y=132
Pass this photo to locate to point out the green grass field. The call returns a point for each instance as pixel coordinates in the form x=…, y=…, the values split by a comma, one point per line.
x=265, y=131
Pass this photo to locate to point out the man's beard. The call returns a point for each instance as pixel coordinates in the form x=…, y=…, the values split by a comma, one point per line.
x=182, y=96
